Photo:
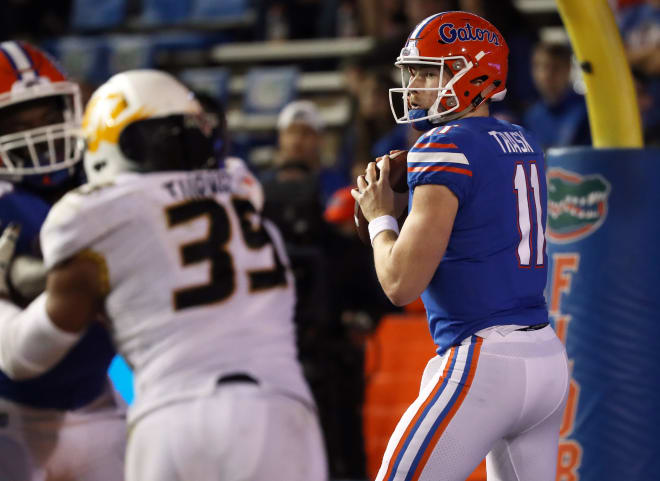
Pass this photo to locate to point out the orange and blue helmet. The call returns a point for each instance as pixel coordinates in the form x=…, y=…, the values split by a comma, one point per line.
x=40, y=117
x=473, y=51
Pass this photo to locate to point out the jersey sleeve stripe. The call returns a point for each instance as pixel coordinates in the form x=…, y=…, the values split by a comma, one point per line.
x=439, y=168
x=437, y=158
x=434, y=145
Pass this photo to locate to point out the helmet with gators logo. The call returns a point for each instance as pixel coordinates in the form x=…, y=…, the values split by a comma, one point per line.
x=475, y=55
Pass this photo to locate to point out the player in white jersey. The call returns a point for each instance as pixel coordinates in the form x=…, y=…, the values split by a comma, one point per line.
x=195, y=286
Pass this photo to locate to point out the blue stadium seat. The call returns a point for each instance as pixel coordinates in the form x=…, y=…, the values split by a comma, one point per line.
x=165, y=42
x=213, y=81
x=128, y=52
x=97, y=15
x=214, y=9
x=165, y=12
x=83, y=58
x=268, y=90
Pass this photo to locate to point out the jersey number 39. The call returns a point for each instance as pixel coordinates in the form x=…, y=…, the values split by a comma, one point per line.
x=213, y=248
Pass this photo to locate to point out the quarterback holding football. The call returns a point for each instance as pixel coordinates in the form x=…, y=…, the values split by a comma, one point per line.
x=473, y=247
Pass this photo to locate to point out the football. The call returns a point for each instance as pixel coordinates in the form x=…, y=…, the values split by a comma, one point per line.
x=399, y=183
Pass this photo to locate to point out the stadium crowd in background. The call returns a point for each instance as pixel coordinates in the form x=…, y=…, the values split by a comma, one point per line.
x=338, y=297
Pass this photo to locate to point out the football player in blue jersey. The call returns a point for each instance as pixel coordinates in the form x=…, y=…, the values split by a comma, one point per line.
x=67, y=424
x=473, y=247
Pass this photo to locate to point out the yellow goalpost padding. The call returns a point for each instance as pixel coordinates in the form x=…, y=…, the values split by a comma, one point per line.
x=611, y=99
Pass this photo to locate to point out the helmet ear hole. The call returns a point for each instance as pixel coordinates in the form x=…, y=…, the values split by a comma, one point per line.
x=479, y=80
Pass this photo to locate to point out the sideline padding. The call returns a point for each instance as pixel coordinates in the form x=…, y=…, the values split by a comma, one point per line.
x=603, y=246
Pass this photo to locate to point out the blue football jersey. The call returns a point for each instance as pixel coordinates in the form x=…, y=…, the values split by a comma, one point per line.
x=81, y=376
x=494, y=269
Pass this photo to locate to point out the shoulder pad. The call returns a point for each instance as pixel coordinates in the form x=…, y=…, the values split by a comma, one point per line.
x=245, y=184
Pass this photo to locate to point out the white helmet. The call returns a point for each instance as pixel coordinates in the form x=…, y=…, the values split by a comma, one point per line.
x=142, y=121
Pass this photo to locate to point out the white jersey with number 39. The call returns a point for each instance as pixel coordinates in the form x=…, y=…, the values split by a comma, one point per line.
x=199, y=284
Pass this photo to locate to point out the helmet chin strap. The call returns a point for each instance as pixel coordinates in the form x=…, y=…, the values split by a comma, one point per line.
x=420, y=125
x=427, y=124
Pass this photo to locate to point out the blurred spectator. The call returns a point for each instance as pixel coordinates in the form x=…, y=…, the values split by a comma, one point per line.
x=300, y=138
x=389, y=22
x=559, y=118
x=358, y=296
x=372, y=131
x=339, y=18
x=293, y=202
x=640, y=31
x=648, y=107
x=383, y=19
x=300, y=19
x=331, y=361
x=358, y=301
x=293, y=185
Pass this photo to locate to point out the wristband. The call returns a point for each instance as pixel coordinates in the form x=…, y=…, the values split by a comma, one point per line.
x=379, y=224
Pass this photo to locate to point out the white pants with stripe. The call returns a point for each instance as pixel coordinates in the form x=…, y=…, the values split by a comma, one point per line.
x=86, y=444
x=243, y=432
x=500, y=394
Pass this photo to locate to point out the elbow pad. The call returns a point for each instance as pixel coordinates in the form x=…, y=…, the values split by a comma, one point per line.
x=30, y=344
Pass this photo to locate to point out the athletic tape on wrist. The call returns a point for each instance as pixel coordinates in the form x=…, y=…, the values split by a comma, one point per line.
x=31, y=344
x=379, y=224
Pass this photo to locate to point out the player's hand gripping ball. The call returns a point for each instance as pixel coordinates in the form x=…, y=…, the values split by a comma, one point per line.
x=399, y=184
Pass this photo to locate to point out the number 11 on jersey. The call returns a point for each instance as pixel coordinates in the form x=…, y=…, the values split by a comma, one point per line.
x=527, y=247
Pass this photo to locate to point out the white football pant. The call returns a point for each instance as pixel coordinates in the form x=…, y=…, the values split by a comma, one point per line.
x=243, y=432
x=87, y=444
x=500, y=394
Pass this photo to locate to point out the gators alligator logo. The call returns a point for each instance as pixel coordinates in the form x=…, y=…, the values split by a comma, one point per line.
x=577, y=205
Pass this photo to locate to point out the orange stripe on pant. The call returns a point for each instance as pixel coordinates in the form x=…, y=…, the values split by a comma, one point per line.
x=445, y=422
x=419, y=412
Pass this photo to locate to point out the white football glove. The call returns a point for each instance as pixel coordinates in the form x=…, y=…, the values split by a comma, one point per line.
x=8, y=242
x=27, y=276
